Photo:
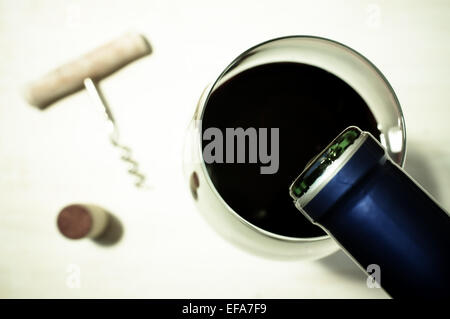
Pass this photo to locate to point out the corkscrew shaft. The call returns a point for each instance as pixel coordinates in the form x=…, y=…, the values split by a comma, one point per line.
x=97, y=96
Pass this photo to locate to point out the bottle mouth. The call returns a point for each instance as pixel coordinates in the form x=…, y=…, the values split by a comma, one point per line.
x=320, y=163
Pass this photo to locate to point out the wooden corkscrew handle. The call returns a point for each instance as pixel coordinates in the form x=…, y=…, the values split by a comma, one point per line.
x=96, y=65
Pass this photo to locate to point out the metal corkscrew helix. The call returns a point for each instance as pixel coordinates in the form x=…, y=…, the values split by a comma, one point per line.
x=95, y=93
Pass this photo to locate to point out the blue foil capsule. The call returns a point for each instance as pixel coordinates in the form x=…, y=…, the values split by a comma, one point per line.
x=378, y=214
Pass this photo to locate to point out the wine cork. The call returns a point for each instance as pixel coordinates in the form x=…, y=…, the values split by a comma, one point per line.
x=78, y=221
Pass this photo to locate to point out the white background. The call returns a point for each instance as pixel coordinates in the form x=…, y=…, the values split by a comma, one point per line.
x=52, y=158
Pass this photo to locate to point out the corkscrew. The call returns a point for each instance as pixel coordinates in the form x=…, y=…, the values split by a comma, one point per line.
x=95, y=93
x=85, y=72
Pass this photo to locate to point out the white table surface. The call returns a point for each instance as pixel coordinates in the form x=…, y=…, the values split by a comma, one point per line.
x=60, y=156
